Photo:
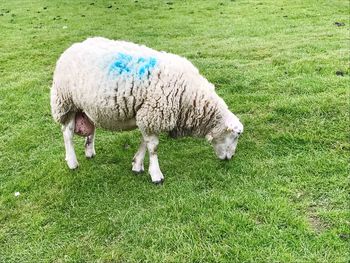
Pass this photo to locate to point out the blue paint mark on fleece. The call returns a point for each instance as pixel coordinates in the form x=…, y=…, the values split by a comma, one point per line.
x=122, y=64
x=146, y=65
x=128, y=65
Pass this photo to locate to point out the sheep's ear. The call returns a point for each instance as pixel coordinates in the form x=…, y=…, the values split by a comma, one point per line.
x=230, y=123
x=209, y=137
x=229, y=126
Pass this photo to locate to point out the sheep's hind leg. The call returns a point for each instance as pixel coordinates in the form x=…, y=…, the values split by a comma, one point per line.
x=137, y=161
x=68, y=133
x=90, y=145
x=152, y=142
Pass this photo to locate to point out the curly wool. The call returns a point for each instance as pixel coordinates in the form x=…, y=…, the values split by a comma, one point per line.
x=121, y=85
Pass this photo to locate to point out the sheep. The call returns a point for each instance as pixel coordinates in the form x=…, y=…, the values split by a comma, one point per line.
x=119, y=86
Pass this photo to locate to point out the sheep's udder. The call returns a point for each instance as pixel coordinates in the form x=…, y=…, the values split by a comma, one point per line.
x=83, y=126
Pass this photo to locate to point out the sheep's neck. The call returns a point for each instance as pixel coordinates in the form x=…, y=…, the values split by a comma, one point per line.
x=199, y=114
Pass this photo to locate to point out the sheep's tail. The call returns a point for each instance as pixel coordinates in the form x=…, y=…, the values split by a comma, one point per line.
x=60, y=105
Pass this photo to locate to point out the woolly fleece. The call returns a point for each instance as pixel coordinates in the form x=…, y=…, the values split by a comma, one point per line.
x=121, y=85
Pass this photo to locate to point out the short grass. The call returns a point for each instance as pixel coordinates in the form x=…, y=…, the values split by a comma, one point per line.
x=282, y=68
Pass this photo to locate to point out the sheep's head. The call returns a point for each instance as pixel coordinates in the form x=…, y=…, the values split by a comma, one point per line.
x=225, y=137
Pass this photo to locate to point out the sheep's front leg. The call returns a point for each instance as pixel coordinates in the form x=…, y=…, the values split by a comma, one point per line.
x=68, y=133
x=90, y=145
x=152, y=142
x=137, y=161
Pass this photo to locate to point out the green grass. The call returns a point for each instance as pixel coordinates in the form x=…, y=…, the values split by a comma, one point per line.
x=284, y=196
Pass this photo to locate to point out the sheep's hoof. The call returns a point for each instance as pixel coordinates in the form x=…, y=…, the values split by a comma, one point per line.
x=90, y=156
x=137, y=172
x=160, y=182
x=90, y=153
x=137, y=169
x=73, y=166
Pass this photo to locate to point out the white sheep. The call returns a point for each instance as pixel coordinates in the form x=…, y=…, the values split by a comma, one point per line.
x=120, y=86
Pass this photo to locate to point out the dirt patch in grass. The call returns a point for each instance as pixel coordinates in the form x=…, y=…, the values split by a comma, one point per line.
x=316, y=223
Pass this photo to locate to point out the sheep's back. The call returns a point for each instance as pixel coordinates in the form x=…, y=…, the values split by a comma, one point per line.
x=109, y=80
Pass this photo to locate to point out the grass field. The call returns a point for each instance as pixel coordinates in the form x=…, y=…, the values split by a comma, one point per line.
x=281, y=66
